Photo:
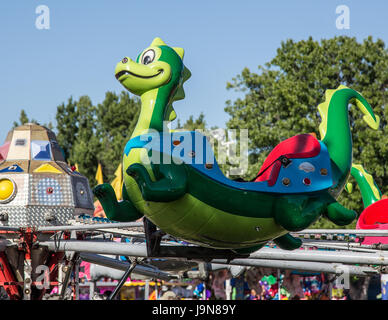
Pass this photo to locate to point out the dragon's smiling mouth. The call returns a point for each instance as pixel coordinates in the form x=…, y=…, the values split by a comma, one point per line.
x=123, y=72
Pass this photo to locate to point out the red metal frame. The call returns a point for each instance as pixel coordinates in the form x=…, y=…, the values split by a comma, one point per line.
x=7, y=278
x=27, y=237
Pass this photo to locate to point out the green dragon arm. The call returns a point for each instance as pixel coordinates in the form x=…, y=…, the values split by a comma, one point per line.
x=339, y=214
x=301, y=213
x=171, y=186
x=288, y=242
x=297, y=214
x=114, y=210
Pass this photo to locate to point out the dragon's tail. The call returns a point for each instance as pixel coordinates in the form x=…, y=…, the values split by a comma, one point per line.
x=370, y=192
x=335, y=130
x=369, y=117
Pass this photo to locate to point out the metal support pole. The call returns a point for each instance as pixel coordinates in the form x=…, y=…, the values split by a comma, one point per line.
x=146, y=290
x=228, y=289
x=122, y=280
x=60, y=277
x=357, y=232
x=262, y=258
x=140, y=250
x=67, y=270
x=27, y=279
x=349, y=247
x=64, y=280
x=330, y=290
x=91, y=226
x=102, y=247
x=91, y=289
x=378, y=258
x=302, y=266
x=140, y=269
x=76, y=278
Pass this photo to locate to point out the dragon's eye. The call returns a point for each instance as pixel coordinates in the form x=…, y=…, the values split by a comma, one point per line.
x=148, y=57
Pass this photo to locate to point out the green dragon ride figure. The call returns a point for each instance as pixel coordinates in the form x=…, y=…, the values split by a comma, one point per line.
x=173, y=179
x=370, y=192
x=375, y=214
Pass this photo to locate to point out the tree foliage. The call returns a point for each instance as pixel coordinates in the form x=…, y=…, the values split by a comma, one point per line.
x=281, y=99
x=92, y=134
x=23, y=119
x=67, y=126
x=116, y=119
x=192, y=125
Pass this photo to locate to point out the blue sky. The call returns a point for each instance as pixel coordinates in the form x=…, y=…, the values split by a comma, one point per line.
x=40, y=69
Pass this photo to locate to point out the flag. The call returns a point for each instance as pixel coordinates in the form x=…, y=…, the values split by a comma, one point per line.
x=117, y=182
x=99, y=175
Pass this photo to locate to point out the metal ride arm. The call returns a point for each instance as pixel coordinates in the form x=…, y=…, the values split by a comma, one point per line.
x=140, y=269
x=333, y=262
x=85, y=227
x=123, y=279
x=67, y=271
x=354, y=232
x=297, y=260
x=153, y=238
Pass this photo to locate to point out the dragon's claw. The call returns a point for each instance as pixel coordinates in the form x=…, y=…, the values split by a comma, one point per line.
x=135, y=170
x=101, y=190
x=339, y=214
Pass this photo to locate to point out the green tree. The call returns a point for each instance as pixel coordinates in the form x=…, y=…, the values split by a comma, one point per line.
x=192, y=125
x=92, y=134
x=67, y=125
x=23, y=118
x=86, y=143
x=281, y=100
x=116, y=120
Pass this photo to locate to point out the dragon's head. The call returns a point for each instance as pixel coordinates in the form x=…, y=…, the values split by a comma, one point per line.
x=158, y=67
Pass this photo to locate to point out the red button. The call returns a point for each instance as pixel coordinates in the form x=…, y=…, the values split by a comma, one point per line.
x=307, y=181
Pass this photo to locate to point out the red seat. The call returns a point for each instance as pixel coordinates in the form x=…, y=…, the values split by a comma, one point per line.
x=373, y=215
x=300, y=146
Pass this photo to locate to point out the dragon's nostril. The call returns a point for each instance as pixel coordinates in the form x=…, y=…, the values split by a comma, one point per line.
x=125, y=60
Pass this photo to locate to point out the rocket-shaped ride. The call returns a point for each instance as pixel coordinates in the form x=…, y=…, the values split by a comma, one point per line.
x=37, y=189
x=37, y=186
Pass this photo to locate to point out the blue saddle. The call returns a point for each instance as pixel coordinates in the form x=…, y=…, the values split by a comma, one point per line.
x=193, y=149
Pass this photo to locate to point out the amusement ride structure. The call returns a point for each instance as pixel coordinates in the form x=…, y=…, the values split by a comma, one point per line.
x=190, y=211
